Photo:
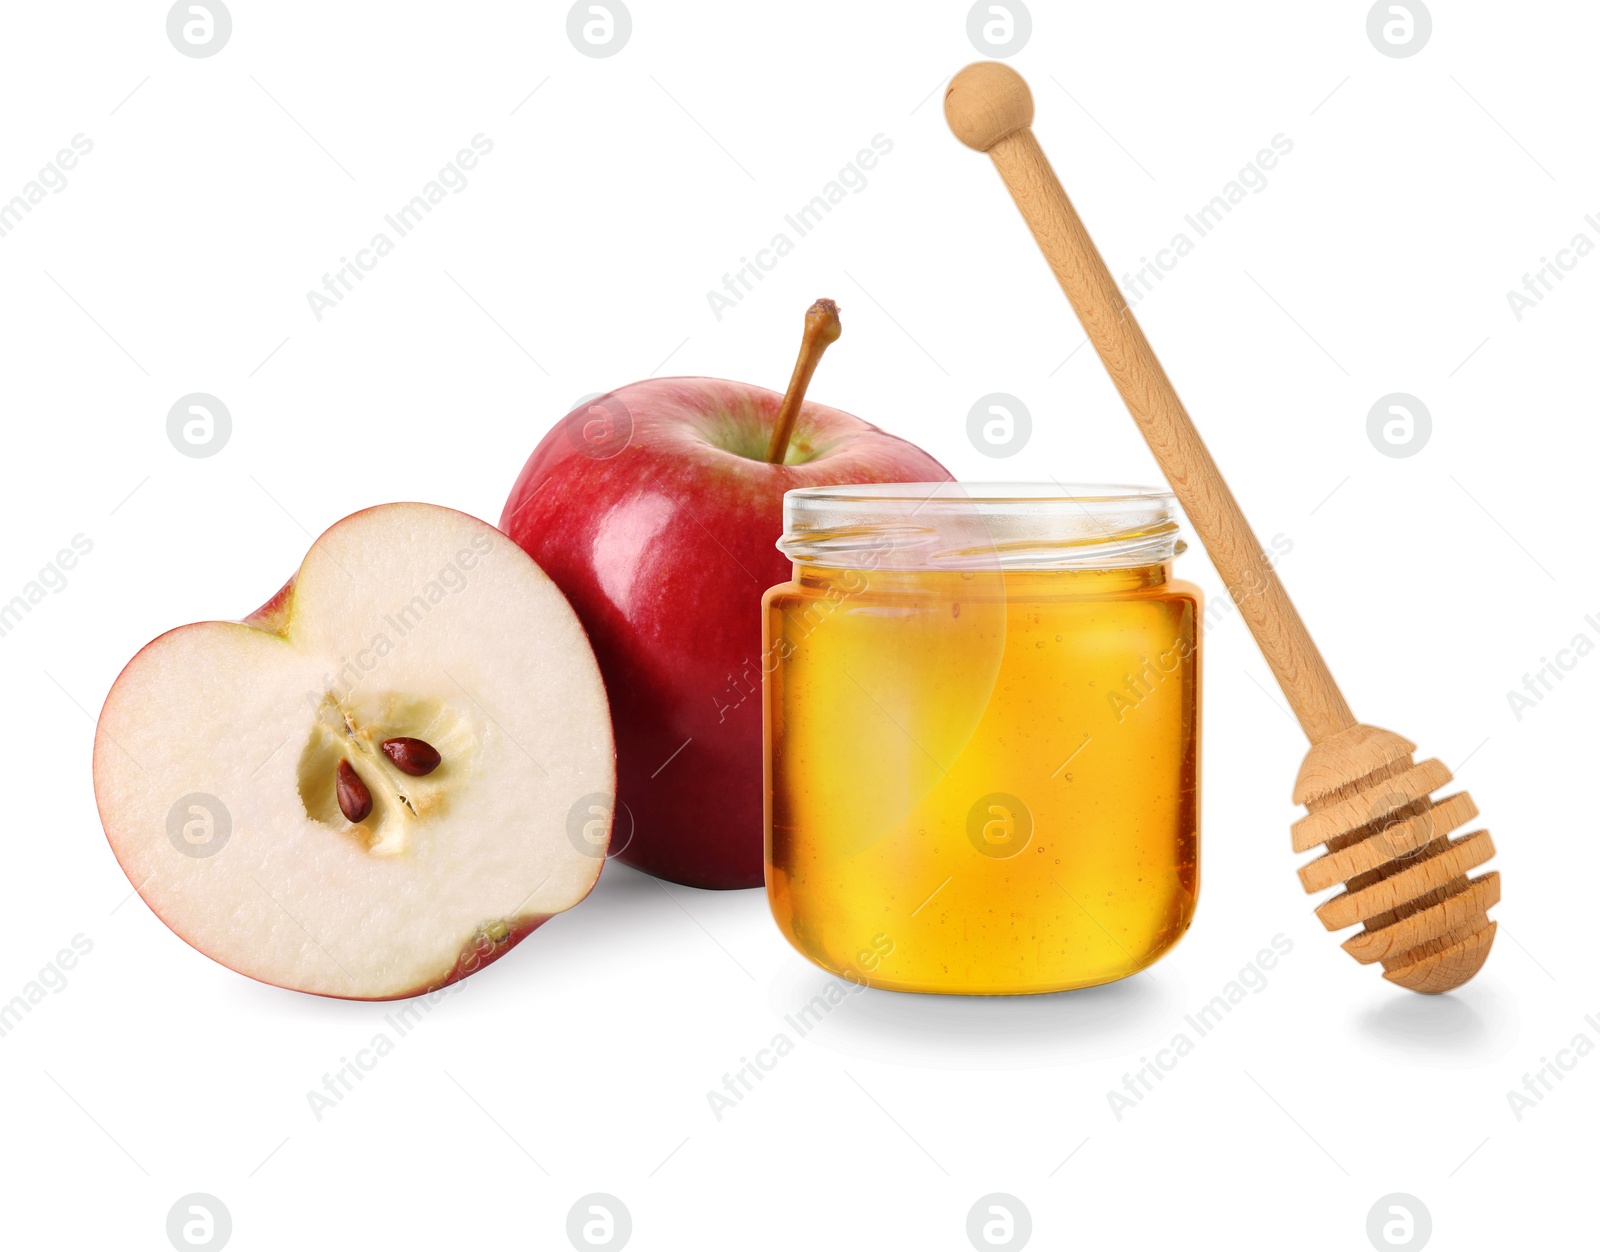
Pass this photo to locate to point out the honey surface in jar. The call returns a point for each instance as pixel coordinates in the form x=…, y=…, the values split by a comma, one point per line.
x=983, y=782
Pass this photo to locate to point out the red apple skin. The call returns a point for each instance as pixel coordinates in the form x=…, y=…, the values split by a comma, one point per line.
x=654, y=510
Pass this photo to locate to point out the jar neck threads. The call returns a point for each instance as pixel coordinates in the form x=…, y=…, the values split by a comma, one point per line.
x=846, y=582
x=980, y=527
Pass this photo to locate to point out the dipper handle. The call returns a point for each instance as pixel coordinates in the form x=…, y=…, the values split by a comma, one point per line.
x=989, y=108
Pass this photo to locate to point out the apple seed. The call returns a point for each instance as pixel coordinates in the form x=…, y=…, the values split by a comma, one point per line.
x=355, y=801
x=412, y=756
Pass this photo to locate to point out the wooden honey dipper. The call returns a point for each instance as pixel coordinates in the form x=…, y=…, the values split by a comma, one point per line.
x=1369, y=803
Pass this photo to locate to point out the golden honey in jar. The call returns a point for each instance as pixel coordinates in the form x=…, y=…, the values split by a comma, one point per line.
x=982, y=714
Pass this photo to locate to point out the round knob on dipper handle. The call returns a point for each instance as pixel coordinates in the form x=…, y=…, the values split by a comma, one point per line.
x=986, y=102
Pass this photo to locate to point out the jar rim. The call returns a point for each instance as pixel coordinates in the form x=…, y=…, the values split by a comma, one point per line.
x=1000, y=493
x=982, y=525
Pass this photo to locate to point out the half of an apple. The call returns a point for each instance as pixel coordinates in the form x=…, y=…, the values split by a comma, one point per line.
x=381, y=780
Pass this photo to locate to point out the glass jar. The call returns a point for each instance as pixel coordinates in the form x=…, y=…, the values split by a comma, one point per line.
x=982, y=708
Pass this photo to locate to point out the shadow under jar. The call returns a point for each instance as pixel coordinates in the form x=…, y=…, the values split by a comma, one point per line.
x=982, y=709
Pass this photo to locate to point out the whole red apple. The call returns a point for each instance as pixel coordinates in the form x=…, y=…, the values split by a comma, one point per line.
x=656, y=510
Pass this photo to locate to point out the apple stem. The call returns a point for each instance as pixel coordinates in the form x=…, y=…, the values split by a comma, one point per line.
x=822, y=328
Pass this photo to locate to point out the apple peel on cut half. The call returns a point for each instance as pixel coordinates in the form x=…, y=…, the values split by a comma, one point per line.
x=224, y=754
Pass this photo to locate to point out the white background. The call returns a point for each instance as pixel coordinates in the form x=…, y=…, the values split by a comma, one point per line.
x=1377, y=260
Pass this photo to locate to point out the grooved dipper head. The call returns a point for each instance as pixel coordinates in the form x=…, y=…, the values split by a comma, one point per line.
x=1406, y=881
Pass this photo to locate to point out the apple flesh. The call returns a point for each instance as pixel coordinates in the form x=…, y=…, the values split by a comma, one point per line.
x=224, y=754
x=655, y=511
